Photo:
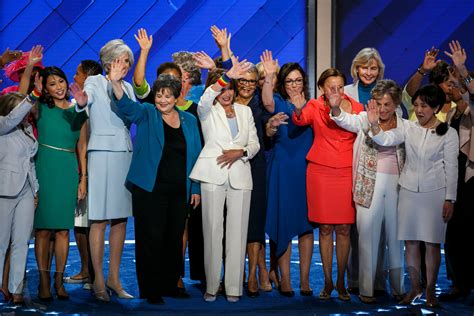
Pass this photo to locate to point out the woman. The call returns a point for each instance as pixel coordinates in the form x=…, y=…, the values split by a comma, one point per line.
x=247, y=95
x=458, y=233
x=193, y=226
x=366, y=69
x=287, y=212
x=85, y=69
x=225, y=175
x=18, y=187
x=329, y=175
x=109, y=157
x=375, y=188
x=427, y=184
x=57, y=168
x=162, y=187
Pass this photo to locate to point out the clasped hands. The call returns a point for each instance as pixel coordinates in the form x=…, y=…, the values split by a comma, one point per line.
x=229, y=156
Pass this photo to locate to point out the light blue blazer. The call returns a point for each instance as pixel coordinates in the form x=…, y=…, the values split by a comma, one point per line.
x=150, y=140
x=109, y=128
x=17, y=151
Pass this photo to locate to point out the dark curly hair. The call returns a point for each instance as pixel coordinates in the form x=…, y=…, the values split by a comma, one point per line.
x=167, y=81
x=91, y=67
x=168, y=65
x=284, y=72
x=45, y=73
x=435, y=97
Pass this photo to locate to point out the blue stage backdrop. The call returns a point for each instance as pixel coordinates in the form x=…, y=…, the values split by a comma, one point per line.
x=73, y=30
x=402, y=30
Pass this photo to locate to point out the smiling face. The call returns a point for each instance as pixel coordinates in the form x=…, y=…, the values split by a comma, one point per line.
x=226, y=98
x=386, y=107
x=246, y=85
x=369, y=72
x=56, y=86
x=424, y=113
x=165, y=101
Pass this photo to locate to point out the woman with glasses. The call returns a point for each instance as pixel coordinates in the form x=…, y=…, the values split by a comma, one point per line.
x=329, y=175
x=247, y=95
x=287, y=212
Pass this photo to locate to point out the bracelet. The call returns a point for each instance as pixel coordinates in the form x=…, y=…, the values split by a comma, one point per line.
x=35, y=94
x=467, y=80
x=224, y=80
x=420, y=71
x=231, y=54
x=83, y=175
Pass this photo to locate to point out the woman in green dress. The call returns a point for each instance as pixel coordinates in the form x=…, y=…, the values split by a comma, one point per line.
x=59, y=127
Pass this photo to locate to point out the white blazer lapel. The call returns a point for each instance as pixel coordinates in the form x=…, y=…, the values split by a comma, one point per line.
x=221, y=113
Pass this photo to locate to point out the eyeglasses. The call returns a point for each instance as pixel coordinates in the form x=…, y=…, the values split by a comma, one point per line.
x=298, y=82
x=247, y=82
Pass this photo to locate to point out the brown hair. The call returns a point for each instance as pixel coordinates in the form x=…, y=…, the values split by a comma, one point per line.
x=389, y=87
x=9, y=101
x=330, y=72
x=284, y=72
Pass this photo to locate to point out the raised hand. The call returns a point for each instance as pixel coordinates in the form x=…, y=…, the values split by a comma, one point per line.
x=429, y=61
x=36, y=55
x=269, y=64
x=458, y=54
x=78, y=94
x=204, y=61
x=117, y=70
x=372, y=112
x=143, y=39
x=220, y=36
x=9, y=56
x=239, y=69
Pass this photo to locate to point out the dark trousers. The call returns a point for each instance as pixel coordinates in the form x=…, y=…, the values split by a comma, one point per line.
x=459, y=238
x=160, y=217
x=196, y=245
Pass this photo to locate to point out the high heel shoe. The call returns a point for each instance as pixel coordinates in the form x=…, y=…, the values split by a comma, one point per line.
x=6, y=294
x=121, y=293
x=324, y=294
x=410, y=298
x=17, y=300
x=61, y=293
x=343, y=295
x=101, y=295
x=273, y=278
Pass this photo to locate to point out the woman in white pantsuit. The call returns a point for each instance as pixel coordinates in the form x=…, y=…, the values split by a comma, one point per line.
x=18, y=187
x=428, y=184
x=109, y=157
x=376, y=171
x=223, y=168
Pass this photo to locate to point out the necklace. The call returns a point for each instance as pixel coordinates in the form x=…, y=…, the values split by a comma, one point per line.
x=432, y=124
x=388, y=124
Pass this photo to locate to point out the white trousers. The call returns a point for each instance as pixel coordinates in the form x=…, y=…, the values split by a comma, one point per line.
x=369, y=224
x=213, y=198
x=16, y=223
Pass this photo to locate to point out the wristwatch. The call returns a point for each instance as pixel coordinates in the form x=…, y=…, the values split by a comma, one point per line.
x=452, y=201
x=245, y=153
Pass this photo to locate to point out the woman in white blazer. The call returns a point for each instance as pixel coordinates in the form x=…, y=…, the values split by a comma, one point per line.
x=223, y=168
x=18, y=187
x=428, y=184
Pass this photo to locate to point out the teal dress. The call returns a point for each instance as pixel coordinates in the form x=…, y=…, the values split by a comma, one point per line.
x=57, y=167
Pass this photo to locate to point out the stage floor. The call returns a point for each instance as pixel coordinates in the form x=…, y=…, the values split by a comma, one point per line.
x=83, y=303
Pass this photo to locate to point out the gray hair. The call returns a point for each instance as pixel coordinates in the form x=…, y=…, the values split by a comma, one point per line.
x=112, y=50
x=389, y=87
x=253, y=69
x=363, y=57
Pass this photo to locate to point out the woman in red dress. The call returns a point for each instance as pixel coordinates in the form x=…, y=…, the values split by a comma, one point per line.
x=329, y=175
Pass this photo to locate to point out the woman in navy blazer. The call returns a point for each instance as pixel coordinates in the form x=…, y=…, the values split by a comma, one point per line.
x=166, y=147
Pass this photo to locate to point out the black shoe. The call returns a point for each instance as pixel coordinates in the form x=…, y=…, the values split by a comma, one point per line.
x=179, y=292
x=157, y=300
x=45, y=299
x=306, y=293
x=252, y=294
x=379, y=293
x=353, y=290
x=287, y=293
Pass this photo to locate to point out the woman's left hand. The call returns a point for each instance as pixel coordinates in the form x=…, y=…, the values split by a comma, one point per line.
x=229, y=157
x=195, y=200
x=36, y=200
x=448, y=209
x=82, y=189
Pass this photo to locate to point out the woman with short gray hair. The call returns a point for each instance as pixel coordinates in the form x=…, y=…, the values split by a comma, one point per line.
x=109, y=157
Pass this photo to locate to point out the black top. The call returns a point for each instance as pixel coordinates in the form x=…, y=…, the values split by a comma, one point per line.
x=462, y=158
x=172, y=168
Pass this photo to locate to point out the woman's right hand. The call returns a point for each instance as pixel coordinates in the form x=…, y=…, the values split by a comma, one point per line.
x=38, y=82
x=143, y=40
x=278, y=119
x=36, y=55
x=429, y=61
x=268, y=63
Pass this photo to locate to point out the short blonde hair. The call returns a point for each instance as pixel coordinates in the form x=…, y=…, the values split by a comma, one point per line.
x=261, y=71
x=113, y=50
x=362, y=58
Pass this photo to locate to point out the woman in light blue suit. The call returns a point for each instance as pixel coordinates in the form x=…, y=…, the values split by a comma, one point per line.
x=166, y=148
x=18, y=187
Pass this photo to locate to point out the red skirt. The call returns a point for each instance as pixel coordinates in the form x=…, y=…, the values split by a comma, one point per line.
x=329, y=194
